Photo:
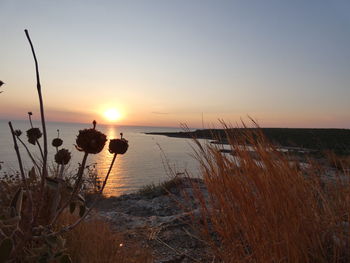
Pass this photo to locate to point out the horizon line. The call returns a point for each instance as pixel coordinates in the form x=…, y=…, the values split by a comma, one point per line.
x=179, y=127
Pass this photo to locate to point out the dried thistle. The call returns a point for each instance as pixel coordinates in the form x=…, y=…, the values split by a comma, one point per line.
x=118, y=146
x=63, y=156
x=90, y=140
x=18, y=133
x=33, y=135
x=57, y=142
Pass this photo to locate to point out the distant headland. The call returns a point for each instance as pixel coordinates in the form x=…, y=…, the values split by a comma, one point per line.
x=319, y=140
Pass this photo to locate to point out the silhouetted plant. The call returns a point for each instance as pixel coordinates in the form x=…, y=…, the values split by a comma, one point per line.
x=57, y=142
x=118, y=146
x=29, y=228
x=1, y=83
x=62, y=157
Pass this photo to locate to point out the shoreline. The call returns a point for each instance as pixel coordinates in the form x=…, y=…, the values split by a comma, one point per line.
x=315, y=141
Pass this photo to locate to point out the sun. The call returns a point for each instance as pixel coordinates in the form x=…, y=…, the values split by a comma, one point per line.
x=112, y=115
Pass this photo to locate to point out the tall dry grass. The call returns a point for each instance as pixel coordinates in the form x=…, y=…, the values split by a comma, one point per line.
x=93, y=241
x=264, y=208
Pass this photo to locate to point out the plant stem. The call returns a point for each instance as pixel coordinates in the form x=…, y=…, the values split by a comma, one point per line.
x=38, y=85
x=60, y=175
x=40, y=149
x=29, y=154
x=57, y=168
x=80, y=174
x=22, y=170
x=70, y=227
x=44, y=168
x=75, y=189
x=30, y=120
x=57, y=196
x=109, y=171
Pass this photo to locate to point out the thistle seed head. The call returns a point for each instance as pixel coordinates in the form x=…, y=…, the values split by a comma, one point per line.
x=63, y=156
x=90, y=141
x=118, y=146
x=33, y=135
x=57, y=142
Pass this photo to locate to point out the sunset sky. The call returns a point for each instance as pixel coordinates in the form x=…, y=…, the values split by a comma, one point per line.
x=162, y=63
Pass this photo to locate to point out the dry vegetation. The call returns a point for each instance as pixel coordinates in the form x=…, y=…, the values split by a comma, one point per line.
x=93, y=241
x=33, y=202
x=264, y=208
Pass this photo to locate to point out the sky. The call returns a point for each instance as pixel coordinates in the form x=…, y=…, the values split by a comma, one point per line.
x=163, y=63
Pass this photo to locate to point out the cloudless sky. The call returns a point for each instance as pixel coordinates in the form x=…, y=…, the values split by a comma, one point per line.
x=162, y=63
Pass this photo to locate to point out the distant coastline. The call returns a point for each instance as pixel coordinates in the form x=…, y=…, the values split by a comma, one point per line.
x=316, y=139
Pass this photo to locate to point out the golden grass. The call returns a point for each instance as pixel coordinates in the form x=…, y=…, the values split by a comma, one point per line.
x=93, y=241
x=263, y=208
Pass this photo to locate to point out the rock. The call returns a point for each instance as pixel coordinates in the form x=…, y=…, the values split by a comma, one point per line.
x=163, y=221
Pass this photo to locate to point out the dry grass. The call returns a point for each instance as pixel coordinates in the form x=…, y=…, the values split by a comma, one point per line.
x=93, y=241
x=338, y=161
x=154, y=190
x=272, y=210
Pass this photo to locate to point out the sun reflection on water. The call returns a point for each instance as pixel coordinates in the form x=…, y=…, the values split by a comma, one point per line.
x=116, y=181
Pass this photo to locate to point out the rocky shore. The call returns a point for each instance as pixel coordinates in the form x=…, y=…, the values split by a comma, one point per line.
x=162, y=219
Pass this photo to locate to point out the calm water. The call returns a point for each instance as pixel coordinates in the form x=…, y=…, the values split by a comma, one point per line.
x=142, y=164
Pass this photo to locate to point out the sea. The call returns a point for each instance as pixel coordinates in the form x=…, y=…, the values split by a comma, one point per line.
x=150, y=159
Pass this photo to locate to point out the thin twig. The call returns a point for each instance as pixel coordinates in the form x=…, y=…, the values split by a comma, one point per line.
x=22, y=170
x=40, y=149
x=38, y=85
x=80, y=174
x=102, y=188
x=177, y=251
x=29, y=153
x=109, y=171
x=37, y=141
x=30, y=119
x=193, y=236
